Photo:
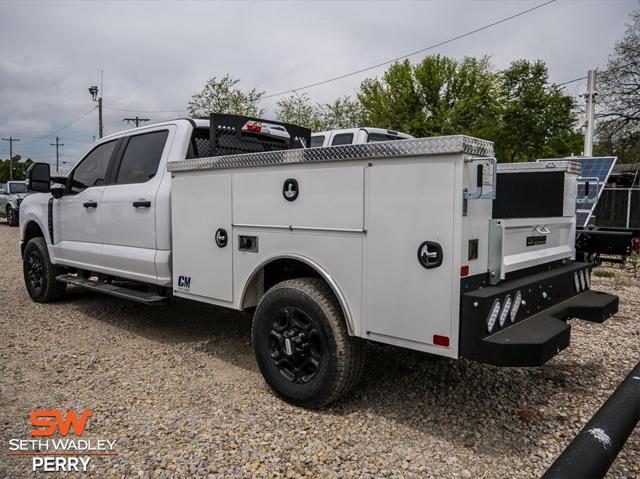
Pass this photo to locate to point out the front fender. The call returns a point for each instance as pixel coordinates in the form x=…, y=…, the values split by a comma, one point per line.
x=34, y=209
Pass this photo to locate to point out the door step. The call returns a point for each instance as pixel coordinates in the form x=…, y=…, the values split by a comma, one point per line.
x=148, y=298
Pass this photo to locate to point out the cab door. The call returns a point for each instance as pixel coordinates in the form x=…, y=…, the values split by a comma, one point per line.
x=76, y=216
x=128, y=205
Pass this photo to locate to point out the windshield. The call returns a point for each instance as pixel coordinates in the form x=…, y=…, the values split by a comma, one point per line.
x=17, y=188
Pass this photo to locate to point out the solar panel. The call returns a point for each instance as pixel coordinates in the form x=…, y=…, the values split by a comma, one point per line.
x=592, y=167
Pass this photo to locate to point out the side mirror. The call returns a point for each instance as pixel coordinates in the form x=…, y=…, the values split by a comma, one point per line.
x=39, y=177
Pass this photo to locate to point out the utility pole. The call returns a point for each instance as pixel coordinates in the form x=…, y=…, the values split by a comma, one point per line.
x=11, y=140
x=135, y=120
x=93, y=89
x=57, y=144
x=591, y=108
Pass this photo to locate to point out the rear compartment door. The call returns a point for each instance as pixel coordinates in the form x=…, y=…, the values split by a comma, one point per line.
x=408, y=204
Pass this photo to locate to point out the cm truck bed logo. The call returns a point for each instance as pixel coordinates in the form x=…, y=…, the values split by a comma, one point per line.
x=184, y=282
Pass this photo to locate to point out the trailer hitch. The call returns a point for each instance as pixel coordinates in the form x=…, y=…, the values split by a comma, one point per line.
x=479, y=193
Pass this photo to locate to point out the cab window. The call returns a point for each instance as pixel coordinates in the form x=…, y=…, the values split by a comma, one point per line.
x=317, y=140
x=342, y=139
x=92, y=170
x=141, y=157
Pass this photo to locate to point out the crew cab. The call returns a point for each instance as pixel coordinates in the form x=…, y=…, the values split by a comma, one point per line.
x=355, y=136
x=420, y=243
x=10, y=198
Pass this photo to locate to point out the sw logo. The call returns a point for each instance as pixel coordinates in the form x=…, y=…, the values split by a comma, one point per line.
x=42, y=418
x=184, y=282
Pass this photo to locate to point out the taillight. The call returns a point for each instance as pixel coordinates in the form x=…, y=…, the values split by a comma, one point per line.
x=517, y=301
x=504, y=313
x=493, y=315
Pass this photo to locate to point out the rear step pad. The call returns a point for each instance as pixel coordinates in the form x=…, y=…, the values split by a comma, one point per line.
x=150, y=299
x=530, y=342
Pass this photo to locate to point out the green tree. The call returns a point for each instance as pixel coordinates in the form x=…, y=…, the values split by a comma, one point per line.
x=341, y=113
x=438, y=96
x=618, y=124
x=299, y=110
x=19, y=168
x=222, y=96
x=537, y=119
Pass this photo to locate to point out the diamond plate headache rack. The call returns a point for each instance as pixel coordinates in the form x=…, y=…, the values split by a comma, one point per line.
x=387, y=149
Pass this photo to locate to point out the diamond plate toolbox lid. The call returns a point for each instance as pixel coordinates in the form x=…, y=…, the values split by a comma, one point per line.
x=388, y=149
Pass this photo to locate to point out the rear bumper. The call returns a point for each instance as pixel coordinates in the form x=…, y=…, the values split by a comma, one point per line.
x=540, y=330
x=535, y=340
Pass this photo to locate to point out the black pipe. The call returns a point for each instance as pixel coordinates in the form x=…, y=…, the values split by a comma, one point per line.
x=594, y=449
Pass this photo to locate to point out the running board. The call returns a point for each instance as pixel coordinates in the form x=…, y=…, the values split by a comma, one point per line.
x=150, y=299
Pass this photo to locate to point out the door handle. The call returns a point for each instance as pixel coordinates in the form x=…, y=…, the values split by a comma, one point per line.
x=90, y=204
x=142, y=204
x=430, y=254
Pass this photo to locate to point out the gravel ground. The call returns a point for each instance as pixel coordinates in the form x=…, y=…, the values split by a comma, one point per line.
x=180, y=391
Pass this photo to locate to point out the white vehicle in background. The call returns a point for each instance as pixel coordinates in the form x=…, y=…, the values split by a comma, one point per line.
x=11, y=195
x=420, y=243
x=355, y=136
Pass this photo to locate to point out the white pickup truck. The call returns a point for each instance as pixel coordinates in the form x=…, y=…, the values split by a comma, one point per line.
x=419, y=243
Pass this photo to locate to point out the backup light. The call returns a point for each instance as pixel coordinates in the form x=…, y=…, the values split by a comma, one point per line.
x=587, y=278
x=493, y=315
x=583, y=282
x=576, y=281
x=517, y=301
x=505, y=310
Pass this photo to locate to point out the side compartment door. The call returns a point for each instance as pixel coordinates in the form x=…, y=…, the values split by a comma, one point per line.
x=129, y=206
x=202, y=235
x=409, y=204
x=77, y=237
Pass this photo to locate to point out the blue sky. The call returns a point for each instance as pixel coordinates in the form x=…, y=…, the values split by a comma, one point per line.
x=155, y=54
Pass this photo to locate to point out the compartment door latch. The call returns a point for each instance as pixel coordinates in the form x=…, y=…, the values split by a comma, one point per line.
x=430, y=254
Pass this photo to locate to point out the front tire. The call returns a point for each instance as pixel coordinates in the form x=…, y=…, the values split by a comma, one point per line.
x=302, y=345
x=12, y=216
x=40, y=273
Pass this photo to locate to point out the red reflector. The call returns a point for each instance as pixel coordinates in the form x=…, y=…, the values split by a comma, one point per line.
x=464, y=271
x=441, y=340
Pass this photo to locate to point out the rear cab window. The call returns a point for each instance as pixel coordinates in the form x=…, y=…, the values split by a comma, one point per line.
x=141, y=157
x=375, y=137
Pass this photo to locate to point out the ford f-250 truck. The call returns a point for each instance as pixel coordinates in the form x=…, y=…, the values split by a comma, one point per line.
x=420, y=243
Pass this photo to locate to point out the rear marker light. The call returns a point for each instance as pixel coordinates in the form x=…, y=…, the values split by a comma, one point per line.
x=576, y=281
x=493, y=315
x=464, y=271
x=441, y=340
x=583, y=283
x=517, y=301
x=505, y=311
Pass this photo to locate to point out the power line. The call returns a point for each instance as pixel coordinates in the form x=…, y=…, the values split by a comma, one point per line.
x=431, y=47
x=59, y=129
x=135, y=120
x=145, y=111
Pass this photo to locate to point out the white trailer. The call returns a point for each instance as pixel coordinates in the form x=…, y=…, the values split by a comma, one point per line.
x=420, y=243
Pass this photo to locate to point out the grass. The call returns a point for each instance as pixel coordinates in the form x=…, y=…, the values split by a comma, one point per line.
x=601, y=273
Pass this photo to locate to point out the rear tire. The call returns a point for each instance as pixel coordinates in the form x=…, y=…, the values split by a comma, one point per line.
x=302, y=345
x=12, y=216
x=40, y=273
